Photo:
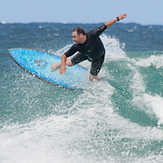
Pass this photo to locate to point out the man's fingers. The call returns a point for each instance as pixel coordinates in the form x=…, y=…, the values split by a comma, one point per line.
x=62, y=70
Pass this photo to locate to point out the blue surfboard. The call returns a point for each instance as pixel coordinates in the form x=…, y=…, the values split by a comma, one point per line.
x=39, y=64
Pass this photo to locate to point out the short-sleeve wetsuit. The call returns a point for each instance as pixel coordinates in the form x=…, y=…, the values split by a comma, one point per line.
x=92, y=49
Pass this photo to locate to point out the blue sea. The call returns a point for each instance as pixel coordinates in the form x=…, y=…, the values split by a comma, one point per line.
x=119, y=120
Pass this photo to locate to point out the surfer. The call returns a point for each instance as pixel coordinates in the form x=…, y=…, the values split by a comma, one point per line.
x=88, y=47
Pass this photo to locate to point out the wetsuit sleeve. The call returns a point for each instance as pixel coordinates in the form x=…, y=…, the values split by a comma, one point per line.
x=71, y=51
x=97, y=31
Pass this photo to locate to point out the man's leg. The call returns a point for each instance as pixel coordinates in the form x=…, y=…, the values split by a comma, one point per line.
x=95, y=68
x=57, y=65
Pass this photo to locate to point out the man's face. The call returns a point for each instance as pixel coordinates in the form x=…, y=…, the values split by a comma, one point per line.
x=76, y=38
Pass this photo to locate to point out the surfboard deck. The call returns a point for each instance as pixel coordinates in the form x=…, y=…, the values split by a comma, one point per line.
x=39, y=64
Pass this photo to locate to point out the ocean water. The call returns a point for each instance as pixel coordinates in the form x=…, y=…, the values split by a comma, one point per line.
x=119, y=120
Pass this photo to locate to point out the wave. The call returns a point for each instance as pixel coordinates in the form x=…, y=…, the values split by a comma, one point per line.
x=90, y=134
x=130, y=72
x=126, y=78
x=116, y=120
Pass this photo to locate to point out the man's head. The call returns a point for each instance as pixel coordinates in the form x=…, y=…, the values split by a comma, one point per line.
x=78, y=35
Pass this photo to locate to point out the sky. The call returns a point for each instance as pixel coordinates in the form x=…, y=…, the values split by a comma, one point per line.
x=145, y=12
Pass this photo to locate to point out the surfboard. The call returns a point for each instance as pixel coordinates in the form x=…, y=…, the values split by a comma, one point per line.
x=39, y=64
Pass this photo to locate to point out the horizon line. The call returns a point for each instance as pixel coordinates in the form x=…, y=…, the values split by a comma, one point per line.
x=5, y=22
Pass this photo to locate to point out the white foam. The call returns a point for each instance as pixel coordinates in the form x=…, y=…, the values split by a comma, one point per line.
x=70, y=138
x=136, y=82
x=114, y=49
x=3, y=22
x=156, y=104
x=153, y=60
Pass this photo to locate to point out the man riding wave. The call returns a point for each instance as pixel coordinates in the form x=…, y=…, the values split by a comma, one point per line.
x=88, y=47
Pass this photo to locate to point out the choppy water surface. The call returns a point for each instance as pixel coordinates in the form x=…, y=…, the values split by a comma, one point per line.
x=118, y=120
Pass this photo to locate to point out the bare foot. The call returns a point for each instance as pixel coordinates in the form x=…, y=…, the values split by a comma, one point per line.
x=55, y=66
x=92, y=77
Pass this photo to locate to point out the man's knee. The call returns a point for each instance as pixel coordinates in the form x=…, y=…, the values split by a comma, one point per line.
x=69, y=63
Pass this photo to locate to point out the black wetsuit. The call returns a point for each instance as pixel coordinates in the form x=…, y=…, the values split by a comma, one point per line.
x=92, y=49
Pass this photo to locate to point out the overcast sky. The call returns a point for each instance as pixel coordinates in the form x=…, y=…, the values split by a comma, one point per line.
x=81, y=11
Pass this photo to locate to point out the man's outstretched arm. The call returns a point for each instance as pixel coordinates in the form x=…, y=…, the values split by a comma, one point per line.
x=109, y=23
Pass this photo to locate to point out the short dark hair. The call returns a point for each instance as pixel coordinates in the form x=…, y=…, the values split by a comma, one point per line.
x=79, y=31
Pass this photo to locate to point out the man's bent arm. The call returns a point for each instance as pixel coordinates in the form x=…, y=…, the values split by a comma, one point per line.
x=63, y=64
x=109, y=23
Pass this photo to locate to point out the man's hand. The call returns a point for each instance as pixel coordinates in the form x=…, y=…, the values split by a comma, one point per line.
x=110, y=22
x=62, y=69
x=122, y=16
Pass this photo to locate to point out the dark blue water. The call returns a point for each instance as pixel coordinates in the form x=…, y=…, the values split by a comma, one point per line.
x=120, y=120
